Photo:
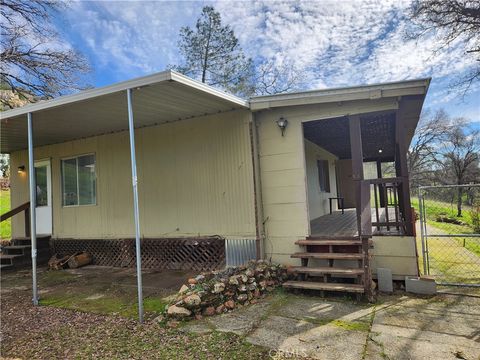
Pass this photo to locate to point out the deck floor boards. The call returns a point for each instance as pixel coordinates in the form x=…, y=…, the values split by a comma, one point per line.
x=345, y=225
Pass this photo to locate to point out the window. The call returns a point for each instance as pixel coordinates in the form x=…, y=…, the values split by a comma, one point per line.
x=42, y=187
x=323, y=175
x=79, y=181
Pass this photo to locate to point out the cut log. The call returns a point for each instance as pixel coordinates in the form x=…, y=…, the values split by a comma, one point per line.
x=56, y=263
x=79, y=260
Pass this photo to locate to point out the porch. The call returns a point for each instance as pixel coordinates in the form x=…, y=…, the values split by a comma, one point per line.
x=359, y=162
x=344, y=225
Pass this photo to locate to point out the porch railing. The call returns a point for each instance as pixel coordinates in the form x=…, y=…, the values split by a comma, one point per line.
x=26, y=210
x=389, y=213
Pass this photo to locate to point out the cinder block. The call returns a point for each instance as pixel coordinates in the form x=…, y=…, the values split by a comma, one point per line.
x=385, y=283
x=418, y=285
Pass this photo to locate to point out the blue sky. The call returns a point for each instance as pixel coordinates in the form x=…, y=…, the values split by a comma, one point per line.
x=333, y=43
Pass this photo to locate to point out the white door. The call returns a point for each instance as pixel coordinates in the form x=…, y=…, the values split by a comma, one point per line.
x=43, y=181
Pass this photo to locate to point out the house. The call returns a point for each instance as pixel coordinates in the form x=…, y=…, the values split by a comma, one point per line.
x=314, y=179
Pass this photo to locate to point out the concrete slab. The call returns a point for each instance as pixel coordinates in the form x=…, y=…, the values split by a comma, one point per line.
x=324, y=310
x=241, y=321
x=385, y=283
x=292, y=337
x=390, y=342
x=448, y=317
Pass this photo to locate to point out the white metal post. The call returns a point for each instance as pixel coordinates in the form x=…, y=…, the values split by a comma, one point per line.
x=135, y=205
x=33, y=198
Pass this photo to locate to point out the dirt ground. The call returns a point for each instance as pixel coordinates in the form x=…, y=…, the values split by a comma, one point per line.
x=91, y=313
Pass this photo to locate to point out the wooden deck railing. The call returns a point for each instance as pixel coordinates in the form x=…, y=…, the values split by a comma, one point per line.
x=26, y=210
x=388, y=211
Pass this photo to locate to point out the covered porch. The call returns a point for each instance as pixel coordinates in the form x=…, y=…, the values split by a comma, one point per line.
x=364, y=172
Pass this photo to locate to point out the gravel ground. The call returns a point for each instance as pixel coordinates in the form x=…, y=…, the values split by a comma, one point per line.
x=46, y=332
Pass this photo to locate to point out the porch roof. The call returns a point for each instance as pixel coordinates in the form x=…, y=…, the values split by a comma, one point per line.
x=158, y=98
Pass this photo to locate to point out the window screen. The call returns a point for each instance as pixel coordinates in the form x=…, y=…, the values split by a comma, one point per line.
x=323, y=175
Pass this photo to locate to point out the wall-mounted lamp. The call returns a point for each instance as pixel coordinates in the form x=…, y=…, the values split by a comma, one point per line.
x=380, y=151
x=21, y=169
x=282, y=124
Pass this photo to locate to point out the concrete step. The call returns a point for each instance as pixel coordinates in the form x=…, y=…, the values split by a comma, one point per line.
x=326, y=270
x=332, y=256
x=310, y=285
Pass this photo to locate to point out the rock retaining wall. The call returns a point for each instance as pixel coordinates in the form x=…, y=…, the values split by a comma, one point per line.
x=217, y=292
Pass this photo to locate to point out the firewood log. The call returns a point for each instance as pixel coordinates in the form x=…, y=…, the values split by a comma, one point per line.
x=79, y=260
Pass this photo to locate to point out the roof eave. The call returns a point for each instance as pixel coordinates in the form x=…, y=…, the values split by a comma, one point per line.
x=367, y=92
x=168, y=75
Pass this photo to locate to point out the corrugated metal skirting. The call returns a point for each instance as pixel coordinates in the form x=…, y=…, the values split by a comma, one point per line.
x=239, y=251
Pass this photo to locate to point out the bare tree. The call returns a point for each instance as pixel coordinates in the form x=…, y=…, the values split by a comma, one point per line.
x=270, y=79
x=450, y=21
x=432, y=130
x=460, y=157
x=34, y=62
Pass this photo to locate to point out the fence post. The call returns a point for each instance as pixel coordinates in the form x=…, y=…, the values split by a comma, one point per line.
x=422, y=234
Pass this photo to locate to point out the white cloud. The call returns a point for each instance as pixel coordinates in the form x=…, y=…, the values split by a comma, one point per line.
x=334, y=43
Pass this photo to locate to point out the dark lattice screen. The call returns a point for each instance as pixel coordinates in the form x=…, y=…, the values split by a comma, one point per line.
x=169, y=253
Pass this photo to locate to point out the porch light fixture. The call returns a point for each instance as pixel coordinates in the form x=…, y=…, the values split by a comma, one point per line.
x=21, y=169
x=282, y=124
x=380, y=151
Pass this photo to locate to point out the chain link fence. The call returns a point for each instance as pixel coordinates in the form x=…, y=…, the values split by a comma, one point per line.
x=450, y=233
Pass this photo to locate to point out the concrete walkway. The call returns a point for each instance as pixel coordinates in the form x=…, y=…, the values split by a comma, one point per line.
x=399, y=327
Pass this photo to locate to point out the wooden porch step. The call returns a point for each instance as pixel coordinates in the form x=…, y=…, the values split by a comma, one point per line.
x=326, y=270
x=333, y=237
x=8, y=259
x=355, y=288
x=329, y=242
x=6, y=267
x=334, y=256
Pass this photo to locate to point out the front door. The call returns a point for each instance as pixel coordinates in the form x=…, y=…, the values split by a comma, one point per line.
x=43, y=181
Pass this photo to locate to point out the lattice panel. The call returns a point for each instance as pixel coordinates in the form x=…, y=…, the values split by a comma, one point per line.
x=197, y=254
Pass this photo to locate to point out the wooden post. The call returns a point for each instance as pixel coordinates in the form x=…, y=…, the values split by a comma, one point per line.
x=357, y=164
x=362, y=199
x=379, y=175
x=402, y=172
x=27, y=222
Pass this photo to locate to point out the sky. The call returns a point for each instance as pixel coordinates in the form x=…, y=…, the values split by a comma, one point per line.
x=333, y=43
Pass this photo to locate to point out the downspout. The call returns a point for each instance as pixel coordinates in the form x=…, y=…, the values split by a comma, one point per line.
x=257, y=187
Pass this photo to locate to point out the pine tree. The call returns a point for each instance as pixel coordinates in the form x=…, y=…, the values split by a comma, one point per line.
x=212, y=54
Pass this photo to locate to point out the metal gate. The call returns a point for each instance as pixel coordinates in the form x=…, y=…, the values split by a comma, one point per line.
x=450, y=233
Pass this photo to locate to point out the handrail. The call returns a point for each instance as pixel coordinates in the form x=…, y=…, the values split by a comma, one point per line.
x=15, y=211
x=395, y=180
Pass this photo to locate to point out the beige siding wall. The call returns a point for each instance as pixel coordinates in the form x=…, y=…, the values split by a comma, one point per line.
x=283, y=170
x=318, y=203
x=195, y=178
x=397, y=253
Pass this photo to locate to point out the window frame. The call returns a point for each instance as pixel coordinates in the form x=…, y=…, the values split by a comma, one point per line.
x=325, y=171
x=78, y=186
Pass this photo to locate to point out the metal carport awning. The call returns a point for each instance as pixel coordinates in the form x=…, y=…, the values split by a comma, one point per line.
x=159, y=98
x=146, y=101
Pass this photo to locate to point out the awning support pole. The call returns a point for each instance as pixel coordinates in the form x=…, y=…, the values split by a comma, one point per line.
x=33, y=198
x=135, y=205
